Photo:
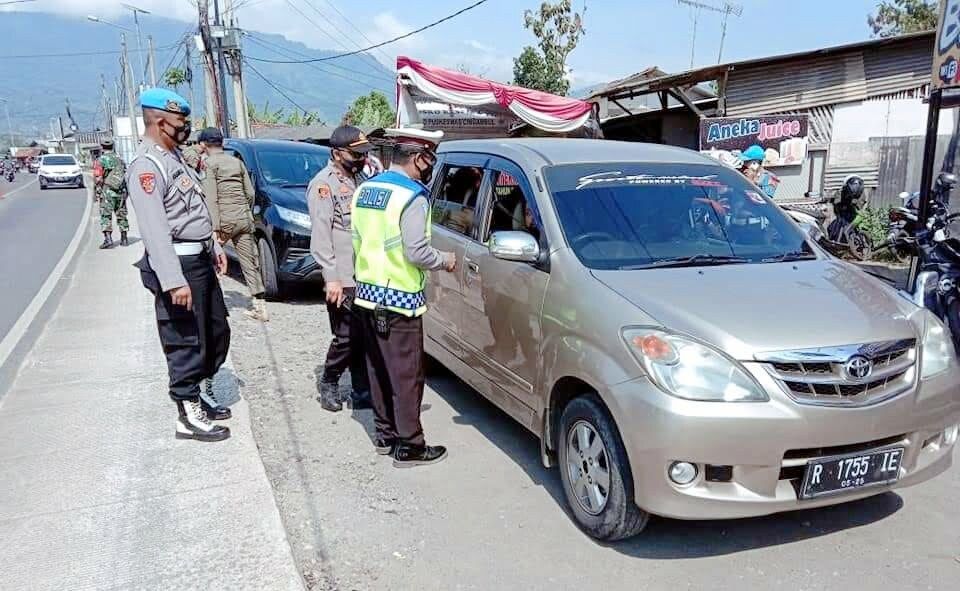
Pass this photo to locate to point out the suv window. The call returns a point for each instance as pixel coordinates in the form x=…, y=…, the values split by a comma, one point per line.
x=289, y=168
x=456, y=203
x=510, y=207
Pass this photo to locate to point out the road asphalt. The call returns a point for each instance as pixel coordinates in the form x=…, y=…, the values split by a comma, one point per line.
x=36, y=227
x=95, y=492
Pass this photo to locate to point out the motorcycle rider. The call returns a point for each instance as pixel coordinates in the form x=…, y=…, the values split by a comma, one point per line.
x=846, y=207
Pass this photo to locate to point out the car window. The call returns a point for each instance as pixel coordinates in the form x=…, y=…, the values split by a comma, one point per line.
x=455, y=205
x=290, y=168
x=511, y=209
x=633, y=215
x=59, y=161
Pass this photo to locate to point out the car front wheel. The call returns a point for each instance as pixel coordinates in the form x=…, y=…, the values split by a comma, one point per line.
x=596, y=473
x=268, y=270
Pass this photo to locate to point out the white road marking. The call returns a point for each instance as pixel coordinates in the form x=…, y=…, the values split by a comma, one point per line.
x=9, y=342
x=17, y=190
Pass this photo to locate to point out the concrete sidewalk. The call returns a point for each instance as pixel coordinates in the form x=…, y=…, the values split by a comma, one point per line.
x=95, y=492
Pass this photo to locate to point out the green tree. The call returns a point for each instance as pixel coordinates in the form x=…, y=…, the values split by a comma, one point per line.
x=175, y=77
x=557, y=29
x=371, y=110
x=264, y=116
x=898, y=17
x=300, y=119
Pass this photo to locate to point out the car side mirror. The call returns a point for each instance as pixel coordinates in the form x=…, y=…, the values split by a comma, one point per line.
x=515, y=246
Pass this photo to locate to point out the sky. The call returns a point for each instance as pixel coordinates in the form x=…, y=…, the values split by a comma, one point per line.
x=622, y=36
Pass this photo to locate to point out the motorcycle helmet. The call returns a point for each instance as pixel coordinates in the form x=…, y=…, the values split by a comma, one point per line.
x=752, y=153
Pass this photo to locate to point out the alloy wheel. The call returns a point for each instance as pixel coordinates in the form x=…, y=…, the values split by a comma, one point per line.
x=588, y=467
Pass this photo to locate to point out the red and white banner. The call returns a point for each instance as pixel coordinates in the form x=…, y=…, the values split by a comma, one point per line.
x=542, y=110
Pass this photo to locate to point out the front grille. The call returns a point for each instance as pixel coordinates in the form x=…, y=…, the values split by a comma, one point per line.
x=822, y=376
x=795, y=461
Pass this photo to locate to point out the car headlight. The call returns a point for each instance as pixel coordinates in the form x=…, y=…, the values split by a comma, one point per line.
x=937, y=351
x=685, y=368
x=294, y=217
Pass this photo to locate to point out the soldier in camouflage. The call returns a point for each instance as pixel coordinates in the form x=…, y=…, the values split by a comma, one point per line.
x=111, y=191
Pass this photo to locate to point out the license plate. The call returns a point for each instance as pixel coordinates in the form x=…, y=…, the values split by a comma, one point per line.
x=848, y=473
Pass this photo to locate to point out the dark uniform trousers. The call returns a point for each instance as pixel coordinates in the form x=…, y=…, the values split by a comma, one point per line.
x=195, y=342
x=395, y=366
x=346, y=349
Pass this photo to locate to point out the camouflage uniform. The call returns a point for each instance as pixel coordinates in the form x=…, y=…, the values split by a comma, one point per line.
x=111, y=201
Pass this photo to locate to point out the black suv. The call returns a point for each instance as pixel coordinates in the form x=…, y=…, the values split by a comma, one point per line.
x=280, y=171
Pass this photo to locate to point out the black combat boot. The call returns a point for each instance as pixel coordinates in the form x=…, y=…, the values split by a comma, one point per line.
x=107, y=240
x=193, y=423
x=408, y=456
x=123, y=238
x=330, y=396
x=214, y=410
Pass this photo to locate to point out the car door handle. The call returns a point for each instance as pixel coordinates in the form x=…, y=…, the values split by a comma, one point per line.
x=473, y=268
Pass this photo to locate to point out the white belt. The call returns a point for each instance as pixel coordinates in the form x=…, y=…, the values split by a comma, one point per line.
x=188, y=248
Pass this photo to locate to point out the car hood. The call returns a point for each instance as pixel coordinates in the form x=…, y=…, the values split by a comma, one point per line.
x=752, y=308
x=294, y=198
x=65, y=169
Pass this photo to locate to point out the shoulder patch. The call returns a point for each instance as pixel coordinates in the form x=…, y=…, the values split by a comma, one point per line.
x=148, y=182
x=324, y=191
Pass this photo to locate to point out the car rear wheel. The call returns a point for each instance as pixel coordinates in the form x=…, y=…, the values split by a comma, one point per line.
x=596, y=473
x=268, y=270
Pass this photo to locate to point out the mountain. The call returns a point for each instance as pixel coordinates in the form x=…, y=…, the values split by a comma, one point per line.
x=38, y=87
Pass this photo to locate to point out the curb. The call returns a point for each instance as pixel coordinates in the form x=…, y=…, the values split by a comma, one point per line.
x=12, y=339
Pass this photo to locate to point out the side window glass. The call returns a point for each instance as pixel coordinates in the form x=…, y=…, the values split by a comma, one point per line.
x=510, y=207
x=456, y=200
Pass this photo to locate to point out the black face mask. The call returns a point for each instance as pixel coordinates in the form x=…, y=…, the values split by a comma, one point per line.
x=181, y=133
x=426, y=174
x=352, y=163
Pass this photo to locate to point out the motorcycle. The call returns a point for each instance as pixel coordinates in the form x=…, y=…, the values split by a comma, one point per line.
x=938, y=281
x=844, y=231
x=10, y=175
x=903, y=228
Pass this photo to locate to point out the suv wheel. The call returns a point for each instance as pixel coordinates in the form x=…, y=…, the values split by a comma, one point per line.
x=596, y=474
x=268, y=270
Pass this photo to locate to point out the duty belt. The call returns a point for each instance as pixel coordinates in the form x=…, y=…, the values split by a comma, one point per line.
x=189, y=248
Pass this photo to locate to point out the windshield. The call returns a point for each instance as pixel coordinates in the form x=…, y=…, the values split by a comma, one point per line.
x=59, y=161
x=285, y=167
x=638, y=215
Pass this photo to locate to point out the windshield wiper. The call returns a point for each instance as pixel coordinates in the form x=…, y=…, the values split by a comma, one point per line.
x=696, y=260
x=795, y=255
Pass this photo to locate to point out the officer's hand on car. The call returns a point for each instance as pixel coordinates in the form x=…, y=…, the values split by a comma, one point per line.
x=335, y=292
x=182, y=296
x=449, y=262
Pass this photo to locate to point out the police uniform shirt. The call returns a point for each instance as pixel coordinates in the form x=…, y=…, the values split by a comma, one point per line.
x=329, y=201
x=169, y=204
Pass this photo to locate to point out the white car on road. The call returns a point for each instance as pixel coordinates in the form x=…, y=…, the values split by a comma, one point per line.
x=59, y=170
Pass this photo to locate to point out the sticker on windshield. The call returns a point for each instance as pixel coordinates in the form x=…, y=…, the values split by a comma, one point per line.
x=617, y=177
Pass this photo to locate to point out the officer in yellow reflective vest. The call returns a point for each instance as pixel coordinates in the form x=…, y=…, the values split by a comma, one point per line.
x=391, y=243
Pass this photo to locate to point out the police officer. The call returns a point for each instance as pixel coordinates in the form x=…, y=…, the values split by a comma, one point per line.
x=329, y=199
x=230, y=196
x=391, y=239
x=111, y=189
x=193, y=156
x=178, y=265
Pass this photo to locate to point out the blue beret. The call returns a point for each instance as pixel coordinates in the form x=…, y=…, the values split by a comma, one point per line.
x=164, y=100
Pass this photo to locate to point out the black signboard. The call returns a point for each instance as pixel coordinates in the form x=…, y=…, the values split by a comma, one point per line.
x=783, y=137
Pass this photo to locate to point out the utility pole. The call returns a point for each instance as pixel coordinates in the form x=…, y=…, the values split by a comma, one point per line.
x=189, y=73
x=107, y=113
x=153, y=62
x=136, y=21
x=221, y=68
x=128, y=85
x=6, y=112
x=235, y=63
x=205, y=47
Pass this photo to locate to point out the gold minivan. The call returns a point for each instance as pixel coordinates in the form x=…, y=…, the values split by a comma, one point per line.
x=678, y=344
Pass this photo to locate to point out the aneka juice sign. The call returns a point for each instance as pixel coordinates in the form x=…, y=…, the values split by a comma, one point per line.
x=946, y=53
x=783, y=137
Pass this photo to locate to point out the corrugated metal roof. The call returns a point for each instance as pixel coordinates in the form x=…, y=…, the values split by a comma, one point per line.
x=908, y=67
x=807, y=83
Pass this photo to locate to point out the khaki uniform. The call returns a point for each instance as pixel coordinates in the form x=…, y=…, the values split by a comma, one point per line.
x=193, y=158
x=329, y=201
x=230, y=197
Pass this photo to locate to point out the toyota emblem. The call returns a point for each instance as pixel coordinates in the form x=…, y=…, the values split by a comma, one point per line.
x=946, y=286
x=859, y=367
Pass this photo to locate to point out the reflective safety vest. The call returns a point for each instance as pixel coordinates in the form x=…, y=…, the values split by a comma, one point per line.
x=383, y=274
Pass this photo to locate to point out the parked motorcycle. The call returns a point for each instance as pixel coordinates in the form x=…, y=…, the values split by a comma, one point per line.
x=938, y=281
x=844, y=231
x=903, y=228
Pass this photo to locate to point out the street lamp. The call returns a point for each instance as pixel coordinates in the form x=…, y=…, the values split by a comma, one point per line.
x=97, y=19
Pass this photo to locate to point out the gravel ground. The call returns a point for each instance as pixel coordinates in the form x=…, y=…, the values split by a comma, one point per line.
x=491, y=517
